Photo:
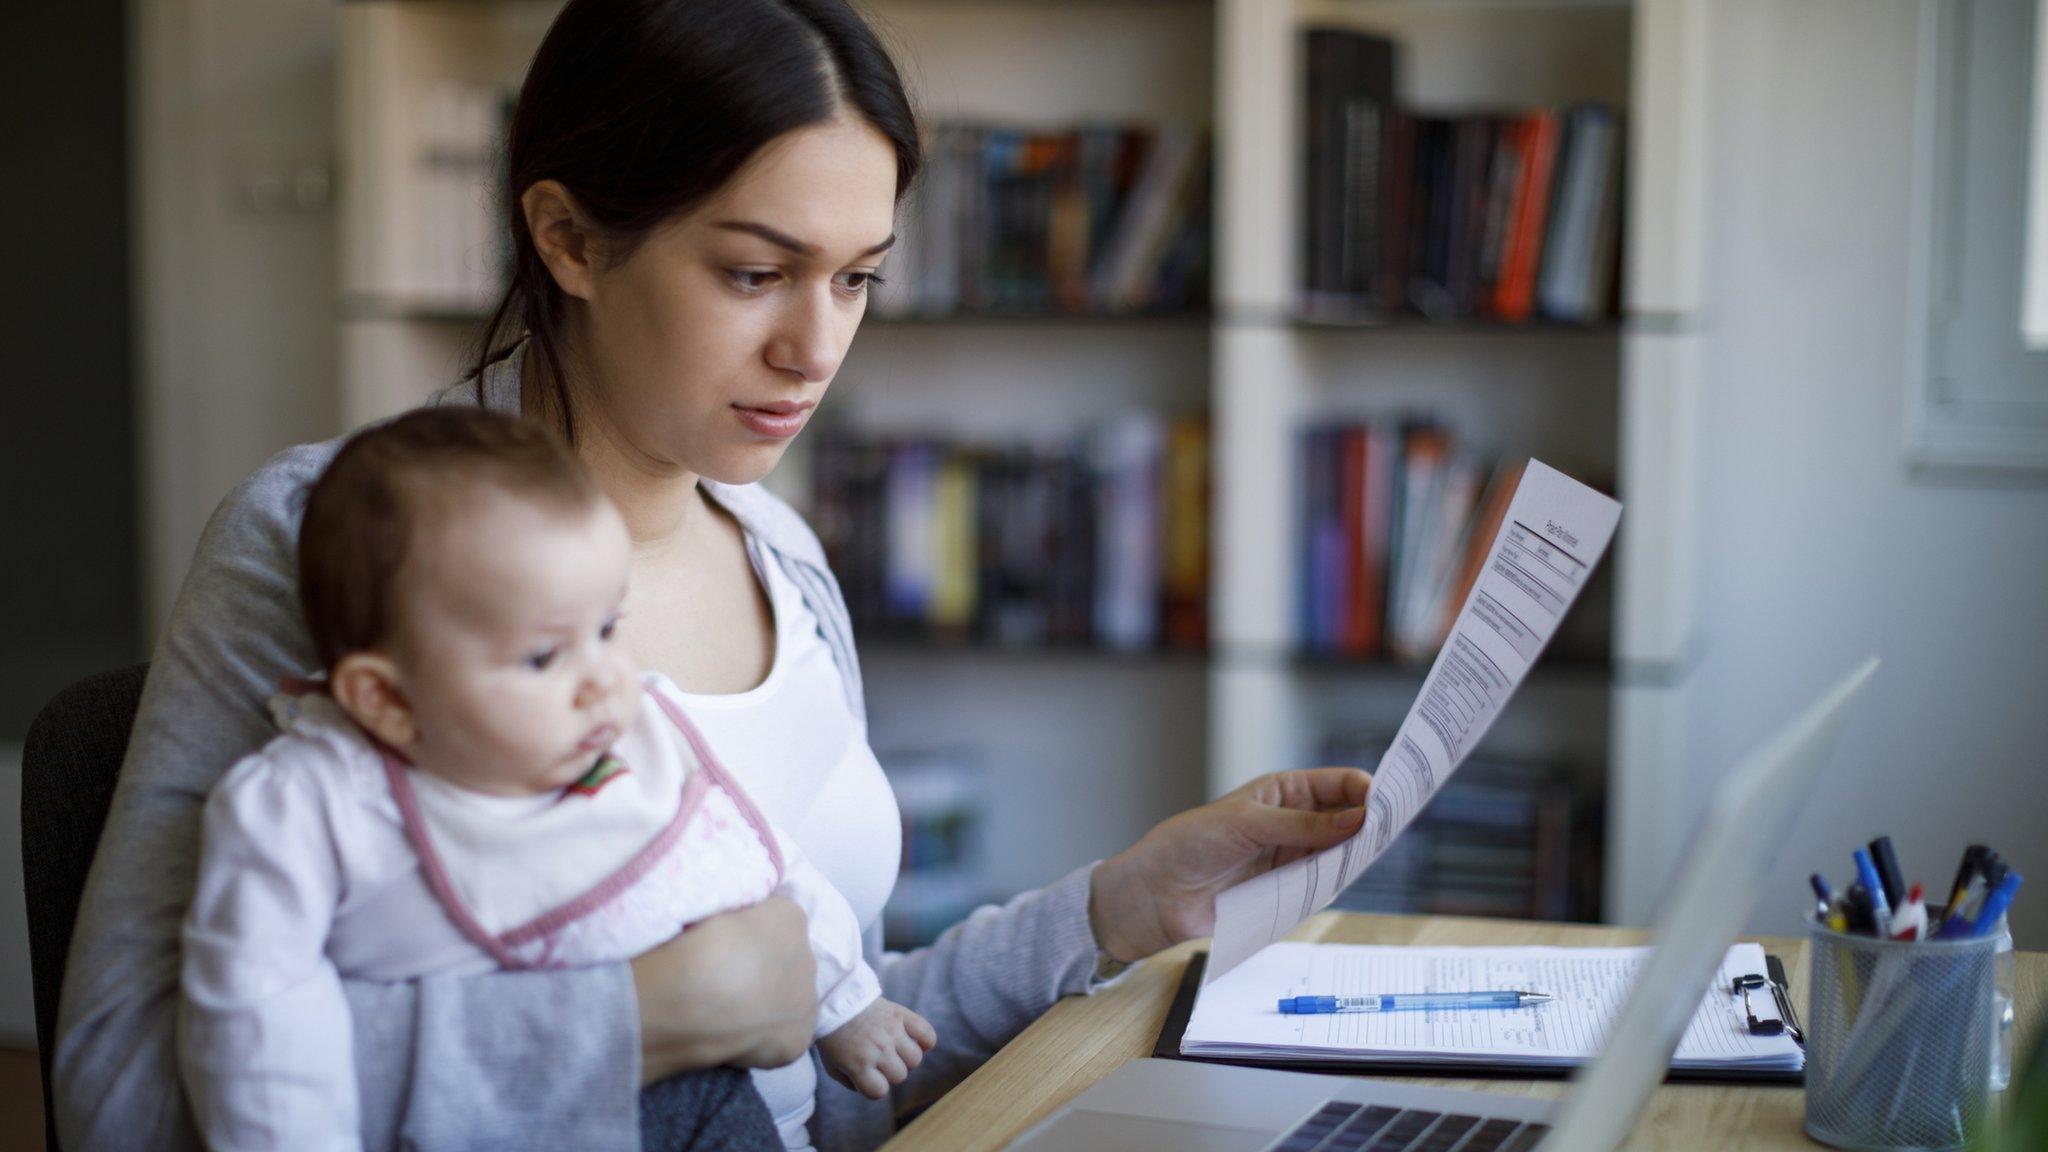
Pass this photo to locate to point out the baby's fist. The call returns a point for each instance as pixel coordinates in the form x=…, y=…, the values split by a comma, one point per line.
x=877, y=1048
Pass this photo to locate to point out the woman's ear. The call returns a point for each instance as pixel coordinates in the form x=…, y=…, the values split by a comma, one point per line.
x=562, y=235
x=366, y=686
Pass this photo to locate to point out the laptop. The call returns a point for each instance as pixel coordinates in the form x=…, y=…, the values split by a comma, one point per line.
x=1176, y=1104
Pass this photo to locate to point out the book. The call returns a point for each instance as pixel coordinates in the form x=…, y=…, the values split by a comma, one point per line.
x=1514, y=288
x=1184, y=578
x=1348, y=92
x=1502, y=215
x=1500, y=839
x=1578, y=256
x=1096, y=539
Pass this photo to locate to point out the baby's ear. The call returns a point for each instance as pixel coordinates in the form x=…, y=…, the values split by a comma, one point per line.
x=366, y=685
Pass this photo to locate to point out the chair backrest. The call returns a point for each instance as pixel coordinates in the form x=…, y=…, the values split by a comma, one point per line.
x=69, y=763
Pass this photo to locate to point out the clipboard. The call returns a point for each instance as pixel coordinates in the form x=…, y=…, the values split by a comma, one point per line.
x=1167, y=1047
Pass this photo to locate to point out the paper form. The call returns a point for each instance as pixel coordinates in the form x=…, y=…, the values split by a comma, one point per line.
x=1555, y=532
x=1237, y=1015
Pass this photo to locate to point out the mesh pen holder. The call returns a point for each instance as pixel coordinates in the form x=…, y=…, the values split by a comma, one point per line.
x=1898, y=1040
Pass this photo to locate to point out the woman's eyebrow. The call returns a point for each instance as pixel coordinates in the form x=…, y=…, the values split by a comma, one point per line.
x=785, y=240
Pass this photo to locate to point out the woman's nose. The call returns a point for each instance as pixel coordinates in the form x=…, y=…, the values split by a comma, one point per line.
x=810, y=338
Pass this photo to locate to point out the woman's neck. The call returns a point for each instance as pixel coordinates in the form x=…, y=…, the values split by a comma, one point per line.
x=663, y=505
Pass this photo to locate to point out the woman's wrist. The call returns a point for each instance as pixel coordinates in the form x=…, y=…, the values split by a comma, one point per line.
x=1121, y=911
x=738, y=988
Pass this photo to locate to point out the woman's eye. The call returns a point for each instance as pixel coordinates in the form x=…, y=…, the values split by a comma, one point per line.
x=856, y=283
x=751, y=279
x=539, y=661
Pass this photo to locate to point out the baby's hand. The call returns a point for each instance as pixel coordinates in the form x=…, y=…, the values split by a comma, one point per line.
x=877, y=1048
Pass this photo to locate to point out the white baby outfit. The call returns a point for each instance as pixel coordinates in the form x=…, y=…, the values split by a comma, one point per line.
x=325, y=856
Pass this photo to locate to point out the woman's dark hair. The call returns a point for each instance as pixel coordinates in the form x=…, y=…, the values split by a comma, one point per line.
x=644, y=108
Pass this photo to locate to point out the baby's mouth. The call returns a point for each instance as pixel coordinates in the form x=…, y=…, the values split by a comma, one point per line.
x=600, y=738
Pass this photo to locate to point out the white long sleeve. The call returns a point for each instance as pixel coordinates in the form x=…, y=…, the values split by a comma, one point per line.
x=846, y=984
x=264, y=1039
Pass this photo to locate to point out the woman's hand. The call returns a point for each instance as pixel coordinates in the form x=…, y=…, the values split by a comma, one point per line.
x=738, y=988
x=1162, y=890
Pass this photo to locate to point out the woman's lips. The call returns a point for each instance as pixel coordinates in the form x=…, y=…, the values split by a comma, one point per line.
x=779, y=420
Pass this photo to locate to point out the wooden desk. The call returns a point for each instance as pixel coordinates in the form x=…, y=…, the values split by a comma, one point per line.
x=1083, y=1040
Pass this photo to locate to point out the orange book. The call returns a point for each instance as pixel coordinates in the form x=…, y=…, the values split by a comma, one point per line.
x=1485, y=525
x=1185, y=578
x=1514, y=294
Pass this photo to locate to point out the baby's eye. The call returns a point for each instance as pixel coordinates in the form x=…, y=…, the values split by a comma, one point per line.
x=539, y=661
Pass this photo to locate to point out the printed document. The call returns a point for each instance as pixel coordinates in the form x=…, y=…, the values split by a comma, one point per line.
x=1553, y=536
x=1237, y=1016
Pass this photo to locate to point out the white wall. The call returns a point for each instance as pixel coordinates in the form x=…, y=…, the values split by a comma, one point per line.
x=1820, y=545
x=236, y=292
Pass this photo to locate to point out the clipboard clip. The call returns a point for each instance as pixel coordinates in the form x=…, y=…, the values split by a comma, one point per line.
x=1779, y=1017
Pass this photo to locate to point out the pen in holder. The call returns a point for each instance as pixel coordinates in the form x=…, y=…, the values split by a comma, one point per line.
x=1899, y=1040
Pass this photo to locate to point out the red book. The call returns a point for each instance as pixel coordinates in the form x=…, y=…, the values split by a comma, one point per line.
x=1514, y=295
x=1382, y=457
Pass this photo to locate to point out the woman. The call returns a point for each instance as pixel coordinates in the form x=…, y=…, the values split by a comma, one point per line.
x=701, y=193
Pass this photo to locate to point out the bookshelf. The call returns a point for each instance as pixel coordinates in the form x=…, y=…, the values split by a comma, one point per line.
x=1080, y=749
x=1616, y=395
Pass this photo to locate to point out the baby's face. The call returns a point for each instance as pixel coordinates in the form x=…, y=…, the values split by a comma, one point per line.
x=506, y=645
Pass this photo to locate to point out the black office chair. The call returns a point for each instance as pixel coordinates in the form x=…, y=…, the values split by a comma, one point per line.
x=69, y=763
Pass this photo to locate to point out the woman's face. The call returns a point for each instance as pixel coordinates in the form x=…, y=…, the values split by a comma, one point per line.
x=711, y=344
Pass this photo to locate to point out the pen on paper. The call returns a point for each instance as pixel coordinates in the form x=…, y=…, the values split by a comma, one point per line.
x=1409, y=1002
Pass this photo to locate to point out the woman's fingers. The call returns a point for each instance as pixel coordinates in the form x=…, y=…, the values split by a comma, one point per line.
x=1323, y=787
x=1275, y=827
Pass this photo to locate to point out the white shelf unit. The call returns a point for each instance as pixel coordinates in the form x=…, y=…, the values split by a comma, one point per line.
x=1621, y=398
x=1083, y=752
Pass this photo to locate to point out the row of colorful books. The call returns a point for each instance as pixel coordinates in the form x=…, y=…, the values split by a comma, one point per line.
x=1503, y=838
x=1098, y=219
x=1508, y=217
x=1395, y=522
x=1103, y=541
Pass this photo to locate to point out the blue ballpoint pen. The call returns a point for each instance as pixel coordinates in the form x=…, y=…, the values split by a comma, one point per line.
x=1408, y=1001
x=1995, y=904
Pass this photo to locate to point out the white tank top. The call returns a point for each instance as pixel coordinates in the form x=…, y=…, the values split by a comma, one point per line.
x=794, y=744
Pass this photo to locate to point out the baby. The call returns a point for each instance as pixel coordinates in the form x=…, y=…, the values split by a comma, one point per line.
x=485, y=783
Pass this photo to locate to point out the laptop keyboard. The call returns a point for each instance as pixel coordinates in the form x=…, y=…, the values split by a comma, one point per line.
x=1341, y=1127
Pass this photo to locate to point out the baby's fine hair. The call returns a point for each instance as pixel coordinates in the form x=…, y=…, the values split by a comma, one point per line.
x=365, y=509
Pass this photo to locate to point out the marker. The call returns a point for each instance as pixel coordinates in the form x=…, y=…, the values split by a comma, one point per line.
x=1880, y=908
x=1823, y=893
x=1962, y=921
x=1911, y=922
x=1972, y=863
x=1888, y=873
x=1409, y=1001
x=1856, y=908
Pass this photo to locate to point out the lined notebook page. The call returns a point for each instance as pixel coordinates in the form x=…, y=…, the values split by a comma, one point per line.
x=1236, y=1015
